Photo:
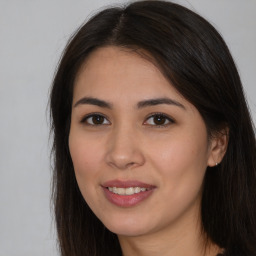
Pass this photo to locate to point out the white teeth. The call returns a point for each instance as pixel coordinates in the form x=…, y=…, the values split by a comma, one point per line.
x=127, y=191
x=137, y=190
x=120, y=191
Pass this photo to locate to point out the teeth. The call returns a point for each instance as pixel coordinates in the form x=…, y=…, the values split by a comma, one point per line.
x=137, y=190
x=127, y=191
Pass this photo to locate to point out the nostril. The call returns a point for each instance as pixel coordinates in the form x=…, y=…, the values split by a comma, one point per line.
x=131, y=164
x=122, y=165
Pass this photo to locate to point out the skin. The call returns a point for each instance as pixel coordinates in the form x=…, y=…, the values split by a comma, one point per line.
x=128, y=145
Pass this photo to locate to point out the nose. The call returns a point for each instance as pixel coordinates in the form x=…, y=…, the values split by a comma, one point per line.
x=124, y=150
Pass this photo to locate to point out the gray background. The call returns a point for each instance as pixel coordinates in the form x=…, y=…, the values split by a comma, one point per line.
x=32, y=36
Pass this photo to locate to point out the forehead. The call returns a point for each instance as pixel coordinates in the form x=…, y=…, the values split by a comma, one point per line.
x=113, y=61
x=111, y=69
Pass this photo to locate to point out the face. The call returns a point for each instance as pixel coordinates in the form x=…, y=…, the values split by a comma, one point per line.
x=139, y=149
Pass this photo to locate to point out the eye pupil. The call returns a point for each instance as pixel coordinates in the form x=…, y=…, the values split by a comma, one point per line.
x=159, y=120
x=97, y=119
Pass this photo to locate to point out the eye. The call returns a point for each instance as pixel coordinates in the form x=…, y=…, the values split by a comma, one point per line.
x=95, y=119
x=159, y=119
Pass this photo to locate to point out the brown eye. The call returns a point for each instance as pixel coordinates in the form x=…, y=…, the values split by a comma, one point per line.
x=159, y=120
x=95, y=120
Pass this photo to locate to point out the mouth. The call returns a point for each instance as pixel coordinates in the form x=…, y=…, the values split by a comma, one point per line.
x=127, y=193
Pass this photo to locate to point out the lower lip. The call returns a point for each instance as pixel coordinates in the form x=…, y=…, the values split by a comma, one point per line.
x=127, y=200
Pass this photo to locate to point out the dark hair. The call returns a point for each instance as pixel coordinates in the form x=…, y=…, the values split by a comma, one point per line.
x=194, y=58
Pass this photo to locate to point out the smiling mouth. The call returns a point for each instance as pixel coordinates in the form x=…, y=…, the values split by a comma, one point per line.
x=127, y=191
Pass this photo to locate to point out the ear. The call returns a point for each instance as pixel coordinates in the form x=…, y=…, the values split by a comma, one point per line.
x=218, y=147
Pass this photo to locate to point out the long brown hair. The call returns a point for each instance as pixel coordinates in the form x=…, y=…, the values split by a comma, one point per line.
x=194, y=58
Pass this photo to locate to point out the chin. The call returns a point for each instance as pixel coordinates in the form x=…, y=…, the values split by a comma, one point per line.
x=128, y=228
x=132, y=232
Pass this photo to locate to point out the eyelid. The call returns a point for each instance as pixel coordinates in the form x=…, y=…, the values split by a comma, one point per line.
x=152, y=115
x=87, y=116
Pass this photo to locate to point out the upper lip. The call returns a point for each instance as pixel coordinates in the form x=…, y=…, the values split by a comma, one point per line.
x=126, y=184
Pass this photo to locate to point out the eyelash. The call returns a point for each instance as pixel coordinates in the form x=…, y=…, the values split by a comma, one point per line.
x=85, y=119
x=167, y=119
x=162, y=115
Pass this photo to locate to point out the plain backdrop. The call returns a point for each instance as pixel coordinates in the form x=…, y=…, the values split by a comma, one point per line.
x=33, y=34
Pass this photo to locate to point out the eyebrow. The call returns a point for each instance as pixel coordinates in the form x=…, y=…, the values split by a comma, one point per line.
x=140, y=104
x=158, y=101
x=93, y=101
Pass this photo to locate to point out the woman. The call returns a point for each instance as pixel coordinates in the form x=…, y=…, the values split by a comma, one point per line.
x=154, y=147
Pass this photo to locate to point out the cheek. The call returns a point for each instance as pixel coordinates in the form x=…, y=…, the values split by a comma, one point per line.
x=181, y=164
x=181, y=161
x=180, y=151
x=86, y=159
